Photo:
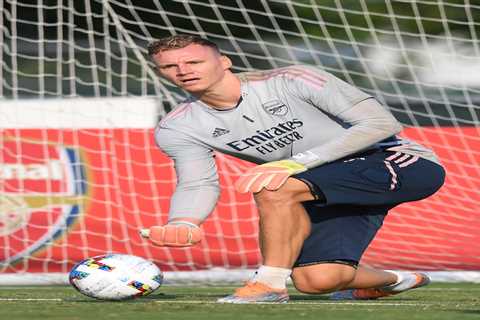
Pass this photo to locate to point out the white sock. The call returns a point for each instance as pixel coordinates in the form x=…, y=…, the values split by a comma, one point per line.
x=405, y=280
x=272, y=276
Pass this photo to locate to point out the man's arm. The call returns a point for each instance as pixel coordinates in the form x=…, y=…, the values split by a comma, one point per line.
x=368, y=122
x=196, y=192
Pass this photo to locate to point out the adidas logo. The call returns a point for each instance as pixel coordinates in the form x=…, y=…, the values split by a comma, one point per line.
x=219, y=132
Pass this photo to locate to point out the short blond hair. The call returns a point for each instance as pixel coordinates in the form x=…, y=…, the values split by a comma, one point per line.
x=177, y=42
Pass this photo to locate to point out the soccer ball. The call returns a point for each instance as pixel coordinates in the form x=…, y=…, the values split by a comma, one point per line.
x=115, y=277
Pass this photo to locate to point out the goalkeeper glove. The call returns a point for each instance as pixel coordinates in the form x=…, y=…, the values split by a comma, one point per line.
x=174, y=234
x=270, y=175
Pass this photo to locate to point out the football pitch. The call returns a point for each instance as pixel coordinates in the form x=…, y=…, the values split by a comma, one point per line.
x=449, y=301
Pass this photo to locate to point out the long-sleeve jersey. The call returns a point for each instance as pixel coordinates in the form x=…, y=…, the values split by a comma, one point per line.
x=299, y=113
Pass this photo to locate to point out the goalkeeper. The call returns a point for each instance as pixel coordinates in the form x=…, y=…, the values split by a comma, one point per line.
x=329, y=169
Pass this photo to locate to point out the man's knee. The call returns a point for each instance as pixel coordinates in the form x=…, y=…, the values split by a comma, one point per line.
x=323, y=278
x=293, y=191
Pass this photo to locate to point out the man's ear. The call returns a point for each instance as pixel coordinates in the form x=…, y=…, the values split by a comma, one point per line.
x=226, y=62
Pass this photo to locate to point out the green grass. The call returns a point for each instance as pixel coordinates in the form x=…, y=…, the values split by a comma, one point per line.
x=435, y=302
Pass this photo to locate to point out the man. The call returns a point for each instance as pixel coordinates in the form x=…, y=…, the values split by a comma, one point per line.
x=329, y=169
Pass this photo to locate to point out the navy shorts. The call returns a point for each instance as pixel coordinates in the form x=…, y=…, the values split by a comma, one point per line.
x=354, y=195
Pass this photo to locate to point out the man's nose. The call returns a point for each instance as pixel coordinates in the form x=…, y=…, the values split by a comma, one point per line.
x=182, y=69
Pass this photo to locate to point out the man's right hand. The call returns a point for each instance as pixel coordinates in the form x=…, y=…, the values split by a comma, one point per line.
x=174, y=234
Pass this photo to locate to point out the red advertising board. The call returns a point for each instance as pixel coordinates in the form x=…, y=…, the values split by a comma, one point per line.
x=69, y=194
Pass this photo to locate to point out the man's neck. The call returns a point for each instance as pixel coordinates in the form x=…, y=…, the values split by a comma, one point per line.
x=225, y=95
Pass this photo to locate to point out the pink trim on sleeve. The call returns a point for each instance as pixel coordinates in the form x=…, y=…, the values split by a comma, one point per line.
x=308, y=76
x=176, y=112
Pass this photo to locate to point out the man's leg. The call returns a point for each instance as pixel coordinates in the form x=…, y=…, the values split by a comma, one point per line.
x=363, y=282
x=361, y=288
x=329, y=277
x=284, y=226
x=284, y=223
x=367, y=277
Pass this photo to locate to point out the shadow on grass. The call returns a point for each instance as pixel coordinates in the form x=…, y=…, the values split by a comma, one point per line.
x=160, y=296
x=467, y=311
x=209, y=297
x=312, y=297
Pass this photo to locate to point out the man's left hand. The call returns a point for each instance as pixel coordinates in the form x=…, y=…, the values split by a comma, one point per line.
x=270, y=175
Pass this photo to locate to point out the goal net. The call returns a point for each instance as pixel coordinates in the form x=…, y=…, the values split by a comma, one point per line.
x=80, y=173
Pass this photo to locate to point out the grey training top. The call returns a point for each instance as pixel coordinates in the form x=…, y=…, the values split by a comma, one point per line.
x=299, y=112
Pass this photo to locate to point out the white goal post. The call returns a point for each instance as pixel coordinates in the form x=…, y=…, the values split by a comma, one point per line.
x=80, y=173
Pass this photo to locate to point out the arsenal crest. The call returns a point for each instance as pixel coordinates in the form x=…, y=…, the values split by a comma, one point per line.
x=275, y=108
x=43, y=187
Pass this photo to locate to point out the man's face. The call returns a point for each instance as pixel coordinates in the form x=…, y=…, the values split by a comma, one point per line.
x=194, y=68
